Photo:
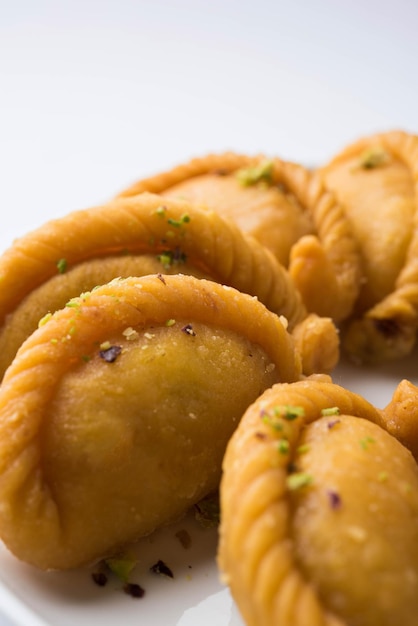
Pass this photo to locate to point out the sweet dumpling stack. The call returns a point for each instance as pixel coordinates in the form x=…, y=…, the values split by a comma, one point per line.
x=199, y=312
x=143, y=235
x=146, y=375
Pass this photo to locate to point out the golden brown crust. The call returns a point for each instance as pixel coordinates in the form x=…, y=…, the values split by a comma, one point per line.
x=401, y=416
x=331, y=257
x=260, y=195
x=54, y=293
x=226, y=162
x=54, y=524
x=210, y=245
x=326, y=268
x=317, y=342
x=362, y=507
x=258, y=556
x=381, y=201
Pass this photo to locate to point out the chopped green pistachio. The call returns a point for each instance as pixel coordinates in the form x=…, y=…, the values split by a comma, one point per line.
x=257, y=174
x=161, y=211
x=272, y=421
x=62, y=266
x=298, y=480
x=54, y=340
x=382, y=476
x=170, y=322
x=372, y=158
x=105, y=345
x=364, y=442
x=169, y=257
x=283, y=446
x=73, y=303
x=44, y=319
x=166, y=259
x=278, y=413
x=86, y=358
x=184, y=219
x=332, y=410
x=121, y=566
x=289, y=412
x=303, y=448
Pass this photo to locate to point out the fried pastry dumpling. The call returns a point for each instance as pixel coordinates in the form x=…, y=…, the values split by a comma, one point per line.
x=246, y=189
x=115, y=413
x=286, y=208
x=319, y=512
x=135, y=236
x=375, y=179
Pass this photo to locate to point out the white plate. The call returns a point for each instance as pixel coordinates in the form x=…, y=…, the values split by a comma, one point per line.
x=195, y=596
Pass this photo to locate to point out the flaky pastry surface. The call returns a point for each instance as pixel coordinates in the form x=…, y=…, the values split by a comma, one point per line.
x=319, y=511
x=376, y=181
x=115, y=413
x=285, y=207
x=130, y=237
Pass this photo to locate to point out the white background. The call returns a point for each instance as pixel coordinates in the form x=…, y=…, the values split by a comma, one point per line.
x=97, y=93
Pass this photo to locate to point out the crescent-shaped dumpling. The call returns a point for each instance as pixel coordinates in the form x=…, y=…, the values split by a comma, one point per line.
x=319, y=512
x=145, y=234
x=286, y=208
x=248, y=190
x=375, y=179
x=115, y=413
